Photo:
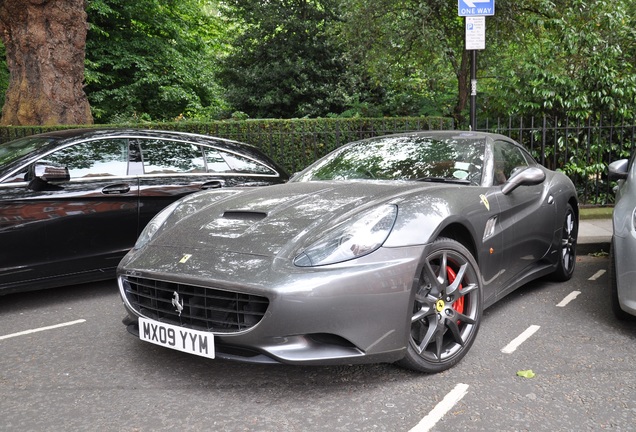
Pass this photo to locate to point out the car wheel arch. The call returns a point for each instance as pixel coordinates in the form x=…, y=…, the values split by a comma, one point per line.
x=461, y=234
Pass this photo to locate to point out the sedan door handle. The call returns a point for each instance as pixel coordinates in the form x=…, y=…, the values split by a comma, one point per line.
x=214, y=184
x=116, y=189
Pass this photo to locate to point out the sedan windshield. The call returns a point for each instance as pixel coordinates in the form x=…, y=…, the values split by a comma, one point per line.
x=14, y=150
x=410, y=157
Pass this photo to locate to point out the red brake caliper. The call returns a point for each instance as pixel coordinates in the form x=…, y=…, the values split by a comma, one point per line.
x=458, y=304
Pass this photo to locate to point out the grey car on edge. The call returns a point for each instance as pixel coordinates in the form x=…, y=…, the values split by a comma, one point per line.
x=623, y=246
x=385, y=250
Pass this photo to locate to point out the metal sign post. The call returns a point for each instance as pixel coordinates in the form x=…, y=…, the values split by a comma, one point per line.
x=475, y=12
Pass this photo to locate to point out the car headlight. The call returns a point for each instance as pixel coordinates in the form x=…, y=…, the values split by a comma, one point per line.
x=154, y=225
x=352, y=239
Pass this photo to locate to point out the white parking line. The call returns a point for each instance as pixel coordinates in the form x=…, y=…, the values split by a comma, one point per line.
x=597, y=275
x=512, y=346
x=441, y=408
x=26, y=332
x=568, y=298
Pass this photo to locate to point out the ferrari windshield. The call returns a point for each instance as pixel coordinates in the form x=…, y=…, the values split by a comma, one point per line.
x=14, y=150
x=403, y=157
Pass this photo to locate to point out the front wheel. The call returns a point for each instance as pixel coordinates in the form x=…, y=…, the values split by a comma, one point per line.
x=447, y=309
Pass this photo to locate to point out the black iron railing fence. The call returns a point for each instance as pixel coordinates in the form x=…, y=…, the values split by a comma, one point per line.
x=581, y=149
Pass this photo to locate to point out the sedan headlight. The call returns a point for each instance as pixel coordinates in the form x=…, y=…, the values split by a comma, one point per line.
x=352, y=239
x=154, y=225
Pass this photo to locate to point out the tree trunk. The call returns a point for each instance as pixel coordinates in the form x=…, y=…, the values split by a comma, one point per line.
x=45, y=42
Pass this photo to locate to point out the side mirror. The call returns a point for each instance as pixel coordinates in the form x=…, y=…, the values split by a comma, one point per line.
x=526, y=177
x=50, y=173
x=618, y=169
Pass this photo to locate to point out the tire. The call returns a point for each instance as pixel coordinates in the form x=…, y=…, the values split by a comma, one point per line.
x=447, y=309
x=616, y=307
x=567, y=249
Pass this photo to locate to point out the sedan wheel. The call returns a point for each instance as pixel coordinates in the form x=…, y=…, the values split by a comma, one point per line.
x=569, y=233
x=447, y=309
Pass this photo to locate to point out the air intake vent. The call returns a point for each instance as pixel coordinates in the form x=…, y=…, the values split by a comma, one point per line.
x=244, y=215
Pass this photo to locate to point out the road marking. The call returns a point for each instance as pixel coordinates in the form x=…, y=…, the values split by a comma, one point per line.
x=441, y=408
x=512, y=346
x=26, y=332
x=597, y=275
x=568, y=298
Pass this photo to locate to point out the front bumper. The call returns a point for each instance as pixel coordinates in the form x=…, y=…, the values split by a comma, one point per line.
x=353, y=312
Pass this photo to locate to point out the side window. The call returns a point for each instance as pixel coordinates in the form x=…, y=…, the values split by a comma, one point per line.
x=171, y=157
x=508, y=157
x=241, y=164
x=103, y=158
x=215, y=161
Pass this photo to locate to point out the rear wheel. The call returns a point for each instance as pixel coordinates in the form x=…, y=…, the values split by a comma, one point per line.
x=567, y=252
x=447, y=309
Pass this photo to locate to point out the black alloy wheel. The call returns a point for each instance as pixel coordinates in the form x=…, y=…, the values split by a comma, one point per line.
x=447, y=309
x=567, y=254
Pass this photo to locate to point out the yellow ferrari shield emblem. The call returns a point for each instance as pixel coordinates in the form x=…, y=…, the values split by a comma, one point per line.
x=484, y=200
x=439, y=305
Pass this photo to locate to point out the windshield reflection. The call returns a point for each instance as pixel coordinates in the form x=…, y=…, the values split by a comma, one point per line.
x=402, y=158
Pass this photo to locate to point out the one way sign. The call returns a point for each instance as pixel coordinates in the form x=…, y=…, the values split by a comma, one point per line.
x=468, y=8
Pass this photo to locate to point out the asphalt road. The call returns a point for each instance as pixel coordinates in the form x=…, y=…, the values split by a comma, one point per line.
x=91, y=375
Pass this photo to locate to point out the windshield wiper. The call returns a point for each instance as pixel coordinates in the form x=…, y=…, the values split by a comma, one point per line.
x=443, y=180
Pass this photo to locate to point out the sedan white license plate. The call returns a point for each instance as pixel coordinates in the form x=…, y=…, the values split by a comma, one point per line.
x=178, y=338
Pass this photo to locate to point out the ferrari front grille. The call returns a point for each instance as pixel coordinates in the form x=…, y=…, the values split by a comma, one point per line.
x=196, y=307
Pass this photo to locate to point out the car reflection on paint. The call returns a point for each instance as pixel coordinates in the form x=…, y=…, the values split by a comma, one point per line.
x=73, y=202
x=385, y=250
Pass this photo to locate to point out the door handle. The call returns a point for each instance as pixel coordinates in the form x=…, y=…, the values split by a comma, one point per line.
x=116, y=189
x=214, y=184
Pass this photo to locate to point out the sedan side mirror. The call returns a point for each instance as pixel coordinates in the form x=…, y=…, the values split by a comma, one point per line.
x=50, y=173
x=526, y=177
x=618, y=169
x=44, y=177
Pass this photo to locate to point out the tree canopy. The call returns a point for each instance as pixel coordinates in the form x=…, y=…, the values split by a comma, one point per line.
x=205, y=59
x=152, y=59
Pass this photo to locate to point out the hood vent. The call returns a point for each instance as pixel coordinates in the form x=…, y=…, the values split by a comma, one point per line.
x=243, y=215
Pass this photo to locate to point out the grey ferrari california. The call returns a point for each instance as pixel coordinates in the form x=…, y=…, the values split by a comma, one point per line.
x=385, y=250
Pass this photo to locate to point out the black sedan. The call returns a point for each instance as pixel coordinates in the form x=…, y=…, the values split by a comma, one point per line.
x=73, y=202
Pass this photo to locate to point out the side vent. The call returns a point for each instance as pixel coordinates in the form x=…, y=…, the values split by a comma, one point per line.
x=490, y=227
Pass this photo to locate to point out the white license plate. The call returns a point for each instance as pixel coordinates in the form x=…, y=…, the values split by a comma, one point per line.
x=178, y=338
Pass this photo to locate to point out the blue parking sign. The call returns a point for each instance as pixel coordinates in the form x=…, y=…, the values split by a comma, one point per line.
x=468, y=8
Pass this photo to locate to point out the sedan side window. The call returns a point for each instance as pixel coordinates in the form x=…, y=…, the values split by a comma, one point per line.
x=241, y=164
x=171, y=157
x=102, y=158
x=216, y=163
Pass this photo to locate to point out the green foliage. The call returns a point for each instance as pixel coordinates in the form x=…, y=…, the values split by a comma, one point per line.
x=152, y=59
x=411, y=53
x=576, y=58
x=283, y=62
